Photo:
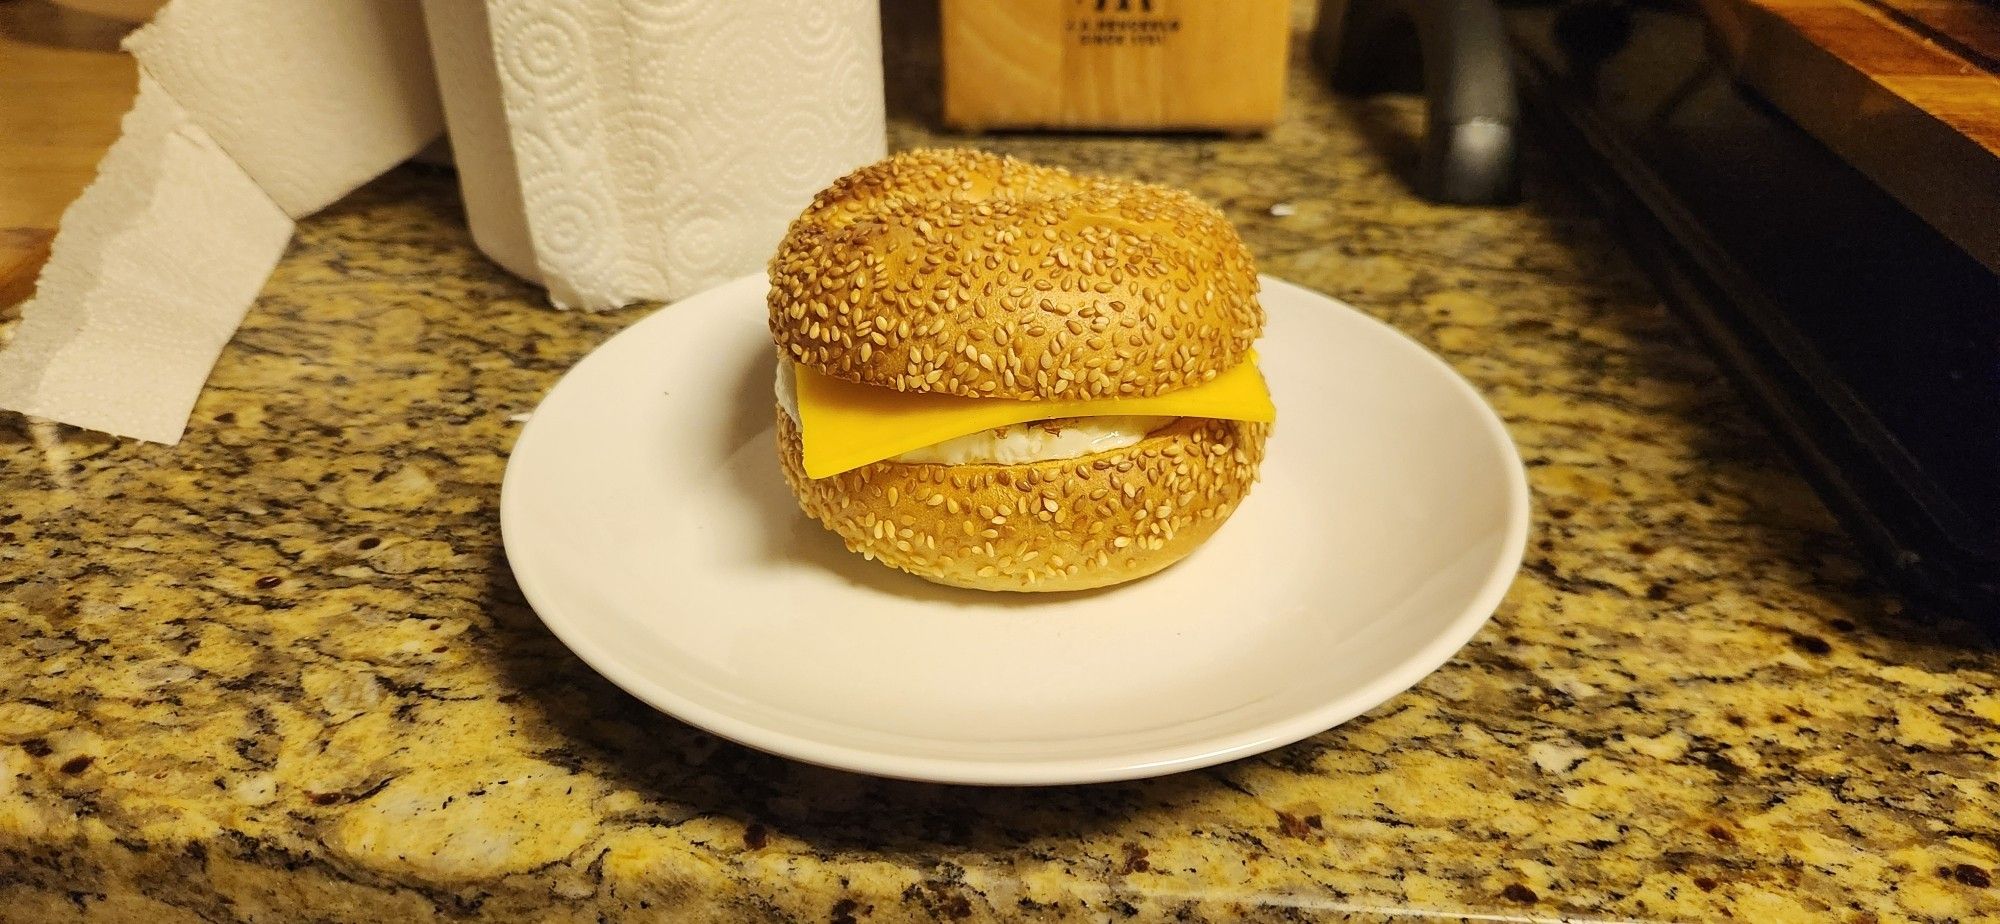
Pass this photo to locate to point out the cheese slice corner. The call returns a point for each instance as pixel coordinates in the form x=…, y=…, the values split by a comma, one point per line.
x=845, y=425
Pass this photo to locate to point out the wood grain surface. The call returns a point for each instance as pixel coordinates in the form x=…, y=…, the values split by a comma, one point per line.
x=1906, y=90
x=63, y=87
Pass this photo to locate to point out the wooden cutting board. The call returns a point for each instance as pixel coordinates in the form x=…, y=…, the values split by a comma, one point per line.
x=66, y=87
x=1908, y=91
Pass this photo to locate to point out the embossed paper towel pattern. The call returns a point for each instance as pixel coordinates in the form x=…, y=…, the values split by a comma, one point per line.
x=663, y=145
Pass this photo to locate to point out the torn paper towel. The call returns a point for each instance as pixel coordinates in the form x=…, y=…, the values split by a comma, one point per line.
x=126, y=319
x=648, y=150
x=250, y=114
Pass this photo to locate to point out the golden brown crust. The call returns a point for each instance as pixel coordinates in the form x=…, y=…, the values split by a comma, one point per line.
x=970, y=274
x=1071, y=524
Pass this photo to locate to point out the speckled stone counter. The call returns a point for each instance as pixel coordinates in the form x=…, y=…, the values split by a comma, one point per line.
x=279, y=672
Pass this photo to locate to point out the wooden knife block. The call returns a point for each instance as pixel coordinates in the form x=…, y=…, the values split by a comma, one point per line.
x=1130, y=65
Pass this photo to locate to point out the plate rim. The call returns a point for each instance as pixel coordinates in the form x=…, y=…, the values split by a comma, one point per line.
x=1406, y=674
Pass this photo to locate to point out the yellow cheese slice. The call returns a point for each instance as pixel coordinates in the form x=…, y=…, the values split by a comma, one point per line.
x=845, y=425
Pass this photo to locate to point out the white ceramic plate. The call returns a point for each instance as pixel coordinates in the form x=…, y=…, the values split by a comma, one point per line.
x=647, y=523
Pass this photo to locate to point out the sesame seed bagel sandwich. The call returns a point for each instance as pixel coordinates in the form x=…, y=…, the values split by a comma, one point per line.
x=1009, y=377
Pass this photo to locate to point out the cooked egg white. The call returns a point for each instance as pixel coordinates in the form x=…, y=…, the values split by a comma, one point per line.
x=1039, y=441
x=1035, y=441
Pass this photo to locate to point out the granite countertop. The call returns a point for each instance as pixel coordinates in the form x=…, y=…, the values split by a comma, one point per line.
x=280, y=672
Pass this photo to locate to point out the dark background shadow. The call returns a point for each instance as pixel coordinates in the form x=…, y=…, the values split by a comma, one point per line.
x=40, y=22
x=912, y=61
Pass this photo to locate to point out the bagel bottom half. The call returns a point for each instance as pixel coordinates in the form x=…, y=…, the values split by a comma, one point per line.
x=1068, y=524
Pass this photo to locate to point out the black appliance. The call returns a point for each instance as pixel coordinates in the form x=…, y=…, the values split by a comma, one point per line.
x=1869, y=341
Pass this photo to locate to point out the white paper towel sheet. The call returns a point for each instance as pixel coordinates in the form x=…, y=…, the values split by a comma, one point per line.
x=616, y=151
x=311, y=97
x=654, y=147
x=488, y=180
x=250, y=114
x=131, y=309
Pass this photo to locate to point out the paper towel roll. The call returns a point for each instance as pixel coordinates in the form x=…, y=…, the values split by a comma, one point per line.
x=135, y=302
x=312, y=98
x=657, y=147
x=250, y=114
x=488, y=181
